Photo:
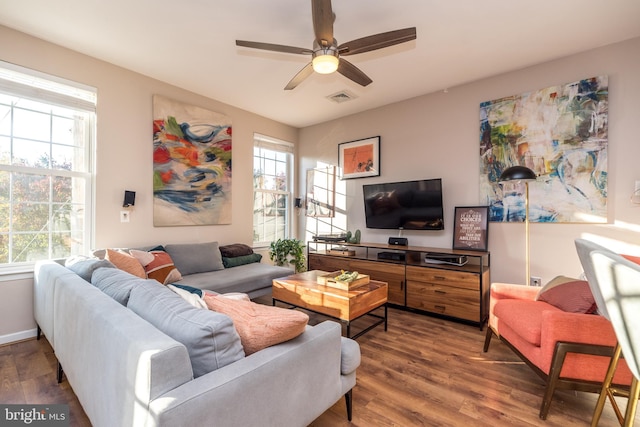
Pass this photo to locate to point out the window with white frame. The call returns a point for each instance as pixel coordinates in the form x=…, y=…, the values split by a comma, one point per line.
x=272, y=189
x=47, y=133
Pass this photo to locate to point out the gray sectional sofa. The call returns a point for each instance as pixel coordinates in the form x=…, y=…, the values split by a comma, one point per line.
x=113, y=338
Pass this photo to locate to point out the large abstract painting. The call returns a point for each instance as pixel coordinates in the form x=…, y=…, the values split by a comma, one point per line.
x=561, y=134
x=191, y=165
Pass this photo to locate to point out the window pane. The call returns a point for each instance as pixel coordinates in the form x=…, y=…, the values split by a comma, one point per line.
x=62, y=130
x=31, y=153
x=61, y=245
x=29, y=247
x=5, y=120
x=30, y=217
x=31, y=124
x=5, y=150
x=4, y=247
x=67, y=189
x=5, y=208
x=67, y=157
x=30, y=188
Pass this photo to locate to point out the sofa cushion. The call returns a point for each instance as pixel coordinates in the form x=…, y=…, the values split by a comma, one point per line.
x=235, y=250
x=125, y=262
x=258, y=325
x=241, y=260
x=245, y=278
x=157, y=265
x=191, y=258
x=116, y=283
x=84, y=266
x=570, y=295
x=210, y=338
x=523, y=316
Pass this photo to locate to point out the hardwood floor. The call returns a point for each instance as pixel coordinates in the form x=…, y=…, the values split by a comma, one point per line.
x=422, y=372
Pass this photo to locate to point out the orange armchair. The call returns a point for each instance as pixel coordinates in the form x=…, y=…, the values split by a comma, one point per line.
x=567, y=350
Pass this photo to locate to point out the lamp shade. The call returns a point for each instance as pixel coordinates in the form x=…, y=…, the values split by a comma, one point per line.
x=517, y=173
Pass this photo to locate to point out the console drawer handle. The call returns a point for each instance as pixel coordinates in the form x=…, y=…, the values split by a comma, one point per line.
x=441, y=307
x=439, y=277
x=439, y=291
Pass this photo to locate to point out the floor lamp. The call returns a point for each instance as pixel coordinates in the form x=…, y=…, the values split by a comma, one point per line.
x=526, y=175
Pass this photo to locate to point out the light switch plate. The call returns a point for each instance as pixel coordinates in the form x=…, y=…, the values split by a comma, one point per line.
x=124, y=216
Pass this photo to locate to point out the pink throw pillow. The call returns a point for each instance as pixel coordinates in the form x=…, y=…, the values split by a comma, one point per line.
x=259, y=325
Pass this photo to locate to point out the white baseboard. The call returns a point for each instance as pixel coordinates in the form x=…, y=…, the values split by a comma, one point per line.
x=18, y=336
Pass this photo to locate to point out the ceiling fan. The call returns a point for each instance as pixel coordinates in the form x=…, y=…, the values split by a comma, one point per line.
x=326, y=55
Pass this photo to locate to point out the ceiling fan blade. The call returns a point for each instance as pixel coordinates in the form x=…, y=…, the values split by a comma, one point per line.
x=298, y=78
x=377, y=41
x=323, y=18
x=352, y=72
x=274, y=47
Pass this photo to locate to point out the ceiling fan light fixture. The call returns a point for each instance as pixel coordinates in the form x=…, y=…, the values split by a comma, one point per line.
x=325, y=61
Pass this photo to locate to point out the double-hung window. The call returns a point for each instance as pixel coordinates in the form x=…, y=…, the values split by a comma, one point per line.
x=47, y=133
x=272, y=189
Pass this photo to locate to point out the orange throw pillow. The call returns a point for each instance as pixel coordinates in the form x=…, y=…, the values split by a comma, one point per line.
x=126, y=263
x=259, y=325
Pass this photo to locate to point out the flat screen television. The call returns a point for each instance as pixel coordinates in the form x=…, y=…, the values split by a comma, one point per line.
x=408, y=205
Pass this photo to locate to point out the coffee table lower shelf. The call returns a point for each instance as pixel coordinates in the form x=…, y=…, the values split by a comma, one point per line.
x=382, y=319
x=303, y=291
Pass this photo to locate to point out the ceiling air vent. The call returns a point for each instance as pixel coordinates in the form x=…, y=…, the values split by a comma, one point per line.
x=341, y=96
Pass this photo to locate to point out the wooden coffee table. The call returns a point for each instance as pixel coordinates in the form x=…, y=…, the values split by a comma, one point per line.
x=302, y=290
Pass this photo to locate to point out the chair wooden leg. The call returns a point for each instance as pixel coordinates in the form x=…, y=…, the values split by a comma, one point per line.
x=348, y=398
x=630, y=413
x=487, y=339
x=559, y=354
x=39, y=332
x=606, y=390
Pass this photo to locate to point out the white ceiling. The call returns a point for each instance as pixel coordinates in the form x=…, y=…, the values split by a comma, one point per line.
x=191, y=44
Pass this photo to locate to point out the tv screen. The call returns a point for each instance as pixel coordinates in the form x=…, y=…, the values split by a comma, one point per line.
x=409, y=205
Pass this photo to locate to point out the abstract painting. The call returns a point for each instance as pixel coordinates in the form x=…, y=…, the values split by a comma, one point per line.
x=561, y=133
x=191, y=165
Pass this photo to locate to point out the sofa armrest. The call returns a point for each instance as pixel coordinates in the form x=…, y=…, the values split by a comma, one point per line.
x=288, y=384
x=590, y=329
x=576, y=327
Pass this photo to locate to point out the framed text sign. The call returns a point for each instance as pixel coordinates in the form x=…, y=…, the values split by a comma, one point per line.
x=471, y=228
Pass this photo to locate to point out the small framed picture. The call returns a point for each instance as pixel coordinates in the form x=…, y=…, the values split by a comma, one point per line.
x=471, y=228
x=359, y=159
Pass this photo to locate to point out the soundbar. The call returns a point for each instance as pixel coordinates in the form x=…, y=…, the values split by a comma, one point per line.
x=393, y=256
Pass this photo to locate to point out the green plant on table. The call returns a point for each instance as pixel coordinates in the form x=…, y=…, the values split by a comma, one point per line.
x=288, y=251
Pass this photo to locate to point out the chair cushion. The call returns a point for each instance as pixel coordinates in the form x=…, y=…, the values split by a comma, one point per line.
x=210, y=338
x=570, y=295
x=258, y=325
x=523, y=316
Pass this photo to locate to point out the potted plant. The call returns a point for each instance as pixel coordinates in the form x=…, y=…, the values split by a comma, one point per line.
x=288, y=251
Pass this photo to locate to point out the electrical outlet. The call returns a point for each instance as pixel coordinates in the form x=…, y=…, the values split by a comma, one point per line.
x=124, y=216
x=535, y=281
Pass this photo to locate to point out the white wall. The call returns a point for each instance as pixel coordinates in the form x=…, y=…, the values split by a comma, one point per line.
x=124, y=159
x=437, y=135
